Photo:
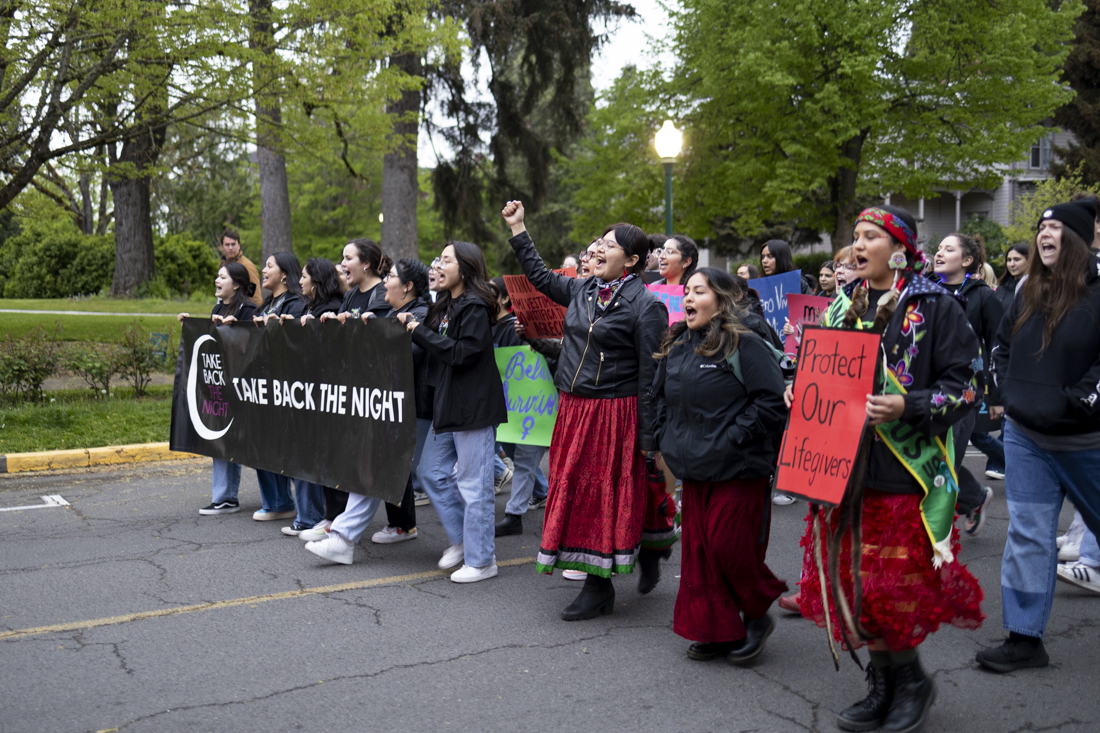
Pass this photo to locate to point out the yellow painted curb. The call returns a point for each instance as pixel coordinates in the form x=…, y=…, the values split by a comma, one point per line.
x=87, y=457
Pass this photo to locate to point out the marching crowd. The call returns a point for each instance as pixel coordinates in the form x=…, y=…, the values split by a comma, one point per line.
x=669, y=434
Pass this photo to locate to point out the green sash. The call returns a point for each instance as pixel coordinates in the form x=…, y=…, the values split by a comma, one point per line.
x=931, y=462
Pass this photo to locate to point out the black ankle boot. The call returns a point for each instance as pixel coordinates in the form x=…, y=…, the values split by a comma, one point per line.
x=649, y=562
x=870, y=712
x=511, y=524
x=597, y=598
x=913, y=695
x=757, y=631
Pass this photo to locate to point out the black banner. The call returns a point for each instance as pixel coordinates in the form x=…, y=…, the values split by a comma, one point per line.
x=325, y=402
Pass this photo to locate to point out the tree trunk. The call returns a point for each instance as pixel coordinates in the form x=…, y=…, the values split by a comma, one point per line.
x=274, y=193
x=87, y=223
x=842, y=191
x=400, y=187
x=134, y=263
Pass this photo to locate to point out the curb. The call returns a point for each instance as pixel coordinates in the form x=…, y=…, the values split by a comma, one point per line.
x=88, y=457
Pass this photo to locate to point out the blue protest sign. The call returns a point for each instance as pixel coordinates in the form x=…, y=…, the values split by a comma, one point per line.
x=773, y=295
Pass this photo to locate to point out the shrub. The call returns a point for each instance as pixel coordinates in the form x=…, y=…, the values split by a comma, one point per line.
x=140, y=356
x=185, y=265
x=991, y=233
x=811, y=262
x=52, y=259
x=96, y=364
x=26, y=363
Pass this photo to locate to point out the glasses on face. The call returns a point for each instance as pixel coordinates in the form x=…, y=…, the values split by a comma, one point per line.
x=387, y=276
x=435, y=264
x=608, y=244
x=667, y=252
x=586, y=256
x=845, y=266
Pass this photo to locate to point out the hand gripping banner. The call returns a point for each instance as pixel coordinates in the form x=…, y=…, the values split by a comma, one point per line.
x=328, y=403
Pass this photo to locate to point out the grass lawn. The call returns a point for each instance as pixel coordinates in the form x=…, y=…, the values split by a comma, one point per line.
x=108, y=305
x=75, y=420
x=91, y=328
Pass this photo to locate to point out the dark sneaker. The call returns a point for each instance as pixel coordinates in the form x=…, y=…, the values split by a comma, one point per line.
x=295, y=529
x=975, y=520
x=1013, y=655
x=420, y=498
x=536, y=503
x=221, y=507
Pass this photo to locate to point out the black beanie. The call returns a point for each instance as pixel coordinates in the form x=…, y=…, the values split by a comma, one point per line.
x=1080, y=216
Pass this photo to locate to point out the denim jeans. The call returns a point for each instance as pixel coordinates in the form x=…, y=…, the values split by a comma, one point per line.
x=275, y=491
x=356, y=517
x=455, y=472
x=403, y=516
x=528, y=478
x=994, y=451
x=1036, y=483
x=225, y=481
x=310, y=498
x=1090, y=551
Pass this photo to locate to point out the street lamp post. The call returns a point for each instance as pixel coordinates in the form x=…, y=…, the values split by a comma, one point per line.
x=668, y=142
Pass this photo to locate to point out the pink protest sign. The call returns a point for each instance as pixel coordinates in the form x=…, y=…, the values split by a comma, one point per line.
x=673, y=298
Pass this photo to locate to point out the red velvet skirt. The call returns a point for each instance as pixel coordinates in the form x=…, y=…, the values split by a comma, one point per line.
x=904, y=597
x=722, y=570
x=596, y=507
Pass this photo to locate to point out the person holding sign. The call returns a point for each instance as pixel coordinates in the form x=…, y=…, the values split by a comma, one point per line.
x=469, y=403
x=776, y=258
x=719, y=412
x=364, y=264
x=904, y=580
x=598, y=488
x=1046, y=361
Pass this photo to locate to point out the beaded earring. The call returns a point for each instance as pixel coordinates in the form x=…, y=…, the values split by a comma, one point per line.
x=897, y=261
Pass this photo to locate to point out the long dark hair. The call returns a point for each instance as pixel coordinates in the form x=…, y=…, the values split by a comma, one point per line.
x=724, y=331
x=1054, y=292
x=688, y=248
x=746, y=296
x=1021, y=249
x=245, y=287
x=370, y=253
x=413, y=272
x=781, y=251
x=326, y=286
x=633, y=241
x=289, y=266
x=475, y=276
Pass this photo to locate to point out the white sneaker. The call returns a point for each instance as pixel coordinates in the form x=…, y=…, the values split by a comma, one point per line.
x=453, y=556
x=467, y=574
x=263, y=515
x=574, y=574
x=333, y=548
x=505, y=477
x=388, y=535
x=319, y=531
x=999, y=475
x=1070, y=551
x=783, y=500
x=1078, y=574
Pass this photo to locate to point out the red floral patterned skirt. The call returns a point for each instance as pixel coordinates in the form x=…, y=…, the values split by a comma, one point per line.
x=597, y=500
x=904, y=598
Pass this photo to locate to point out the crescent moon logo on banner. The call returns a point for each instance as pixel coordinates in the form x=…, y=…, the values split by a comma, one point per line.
x=192, y=404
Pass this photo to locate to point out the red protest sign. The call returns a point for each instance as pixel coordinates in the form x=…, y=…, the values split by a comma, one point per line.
x=802, y=311
x=567, y=271
x=673, y=298
x=835, y=373
x=541, y=317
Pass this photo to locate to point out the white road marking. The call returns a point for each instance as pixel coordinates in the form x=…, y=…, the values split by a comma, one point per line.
x=48, y=501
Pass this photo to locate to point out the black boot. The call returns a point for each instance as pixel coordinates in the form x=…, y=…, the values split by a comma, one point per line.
x=705, y=651
x=649, y=561
x=597, y=598
x=511, y=524
x=757, y=631
x=870, y=712
x=913, y=695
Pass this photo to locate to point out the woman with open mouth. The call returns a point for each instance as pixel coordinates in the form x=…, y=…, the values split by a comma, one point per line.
x=598, y=487
x=677, y=260
x=910, y=579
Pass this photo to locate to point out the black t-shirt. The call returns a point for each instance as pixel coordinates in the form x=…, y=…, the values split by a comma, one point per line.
x=373, y=301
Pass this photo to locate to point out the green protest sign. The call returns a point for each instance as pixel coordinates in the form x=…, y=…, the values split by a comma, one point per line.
x=531, y=396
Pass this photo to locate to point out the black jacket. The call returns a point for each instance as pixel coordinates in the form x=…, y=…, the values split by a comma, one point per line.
x=1006, y=292
x=504, y=332
x=463, y=369
x=984, y=313
x=605, y=353
x=709, y=425
x=931, y=349
x=243, y=311
x=424, y=392
x=332, y=306
x=1055, y=391
x=290, y=304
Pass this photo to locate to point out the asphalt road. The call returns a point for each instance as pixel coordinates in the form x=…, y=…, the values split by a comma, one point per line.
x=241, y=630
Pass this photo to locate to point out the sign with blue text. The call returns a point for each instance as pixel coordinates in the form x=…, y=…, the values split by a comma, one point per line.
x=773, y=295
x=530, y=394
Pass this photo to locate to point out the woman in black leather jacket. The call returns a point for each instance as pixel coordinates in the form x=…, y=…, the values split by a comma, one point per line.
x=613, y=325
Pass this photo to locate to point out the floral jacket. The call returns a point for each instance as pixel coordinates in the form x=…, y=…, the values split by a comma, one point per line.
x=931, y=349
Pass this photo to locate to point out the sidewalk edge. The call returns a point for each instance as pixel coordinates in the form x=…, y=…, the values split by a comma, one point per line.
x=87, y=457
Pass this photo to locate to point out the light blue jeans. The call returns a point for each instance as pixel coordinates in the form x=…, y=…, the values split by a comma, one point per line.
x=459, y=480
x=526, y=478
x=275, y=491
x=1036, y=483
x=356, y=517
x=225, y=481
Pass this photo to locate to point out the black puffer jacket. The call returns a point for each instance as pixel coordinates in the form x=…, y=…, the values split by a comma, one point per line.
x=1053, y=391
x=242, y=311
x=605, y=353
x=424, y=392
x=709, y=425
x=463, y=370
x=984, y=313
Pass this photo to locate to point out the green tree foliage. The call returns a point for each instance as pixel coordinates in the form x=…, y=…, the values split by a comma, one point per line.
x=1081, y=115
x=992, y=234
x=796, y=109
x=1027, y=210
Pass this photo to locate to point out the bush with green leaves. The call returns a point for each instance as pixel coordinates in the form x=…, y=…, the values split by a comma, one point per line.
x=140, y=356
x=992, y=234
x=26, y=363
x=184, y=266
x=53, y=259
x=96, y=364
